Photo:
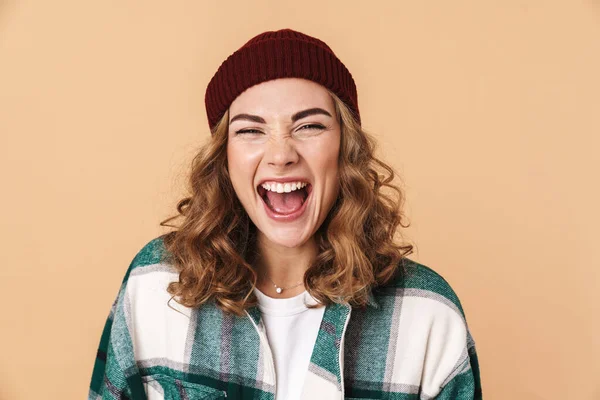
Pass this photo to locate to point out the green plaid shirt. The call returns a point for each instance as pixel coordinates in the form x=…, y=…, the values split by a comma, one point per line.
x=410, y=342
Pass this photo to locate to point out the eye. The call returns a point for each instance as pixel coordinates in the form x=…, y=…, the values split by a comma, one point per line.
x=247, y=131
x=312, y=126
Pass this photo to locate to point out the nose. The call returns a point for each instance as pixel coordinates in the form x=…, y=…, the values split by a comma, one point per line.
x=280, y=152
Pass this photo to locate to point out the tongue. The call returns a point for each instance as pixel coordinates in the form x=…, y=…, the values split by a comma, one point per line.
x=285, y=203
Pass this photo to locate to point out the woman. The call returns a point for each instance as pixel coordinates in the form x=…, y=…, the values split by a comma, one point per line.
x=284, y=279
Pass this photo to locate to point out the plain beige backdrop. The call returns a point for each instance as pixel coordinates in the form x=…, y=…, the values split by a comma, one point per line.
x=490, y=111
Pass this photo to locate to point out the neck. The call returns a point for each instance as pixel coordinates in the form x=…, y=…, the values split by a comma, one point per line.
x=282, y=266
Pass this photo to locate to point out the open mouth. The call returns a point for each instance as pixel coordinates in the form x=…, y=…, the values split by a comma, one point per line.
x=286, y=202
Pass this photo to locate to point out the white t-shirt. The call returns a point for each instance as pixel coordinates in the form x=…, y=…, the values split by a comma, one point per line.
x=292, y=330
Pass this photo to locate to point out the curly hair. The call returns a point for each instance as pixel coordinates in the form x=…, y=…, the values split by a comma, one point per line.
x=213, y=248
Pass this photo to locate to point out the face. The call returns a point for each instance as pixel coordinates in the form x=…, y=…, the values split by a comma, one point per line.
x=284, y=131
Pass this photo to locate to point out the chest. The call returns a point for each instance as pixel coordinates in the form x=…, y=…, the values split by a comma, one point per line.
x=206, y=353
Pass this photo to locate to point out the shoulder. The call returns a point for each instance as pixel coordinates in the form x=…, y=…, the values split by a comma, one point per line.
x=150, y=268
x=427, y=299
x=147, y=310
x=416, y=280
x=153, y=252
x=427, y=320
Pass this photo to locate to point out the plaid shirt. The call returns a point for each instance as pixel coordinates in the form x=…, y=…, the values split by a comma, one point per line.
x=410, y=342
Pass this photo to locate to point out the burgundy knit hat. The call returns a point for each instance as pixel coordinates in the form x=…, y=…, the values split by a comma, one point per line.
x=278, y=54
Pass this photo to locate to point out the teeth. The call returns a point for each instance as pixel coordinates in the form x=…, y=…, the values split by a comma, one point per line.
x=283, y=188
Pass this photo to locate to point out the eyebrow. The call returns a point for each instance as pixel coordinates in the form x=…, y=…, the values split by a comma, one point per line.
x=295, y=117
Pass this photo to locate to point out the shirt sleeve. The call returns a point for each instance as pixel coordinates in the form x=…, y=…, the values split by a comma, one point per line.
x=115, y=374
x=464, y=383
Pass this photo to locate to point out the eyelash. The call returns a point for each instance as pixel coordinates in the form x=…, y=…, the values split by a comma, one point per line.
x=315, y=126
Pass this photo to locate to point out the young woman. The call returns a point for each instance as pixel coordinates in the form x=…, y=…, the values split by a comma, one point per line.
x=285, y=278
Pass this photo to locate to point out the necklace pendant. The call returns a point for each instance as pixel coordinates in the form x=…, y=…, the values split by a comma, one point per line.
x=279, y=290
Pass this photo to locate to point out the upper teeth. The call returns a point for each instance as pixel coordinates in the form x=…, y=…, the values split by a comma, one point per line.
x=283, y=187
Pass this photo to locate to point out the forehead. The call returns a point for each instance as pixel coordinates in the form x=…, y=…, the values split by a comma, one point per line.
x=282, y=97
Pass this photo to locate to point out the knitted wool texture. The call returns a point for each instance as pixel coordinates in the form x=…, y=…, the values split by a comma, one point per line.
x=278, y=54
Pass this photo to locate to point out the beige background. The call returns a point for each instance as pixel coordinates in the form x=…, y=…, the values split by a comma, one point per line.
x=490, y=111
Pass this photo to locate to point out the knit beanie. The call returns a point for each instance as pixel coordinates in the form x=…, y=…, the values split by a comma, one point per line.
x=278, y=54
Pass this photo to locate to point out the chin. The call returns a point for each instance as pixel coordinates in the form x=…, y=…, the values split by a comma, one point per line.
x=289, y=239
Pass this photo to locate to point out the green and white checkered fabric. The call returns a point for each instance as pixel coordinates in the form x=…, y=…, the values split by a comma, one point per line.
x=411, y=342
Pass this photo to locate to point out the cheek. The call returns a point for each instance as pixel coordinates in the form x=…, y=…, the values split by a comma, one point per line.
x=323, y=154
x=323, y=160
x=241, y=164
x=235, y=165
x=329, y=161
